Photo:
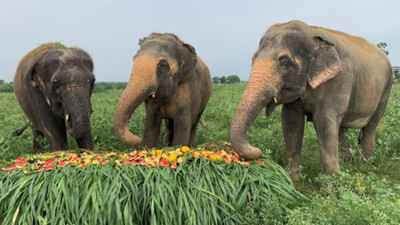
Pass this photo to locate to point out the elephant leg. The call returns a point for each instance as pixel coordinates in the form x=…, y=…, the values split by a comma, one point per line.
x=368, y=132
x=36, y=144
x=368, y=140
x=193, y=131
x=327, y=128
x=151, y=131
x=182, y=127
x=57, y=139
x=293, y=131
x=345, y=144
x=169, y=132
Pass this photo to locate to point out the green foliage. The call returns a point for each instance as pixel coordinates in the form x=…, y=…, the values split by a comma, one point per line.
x=266, y=211
x=141, y=40
x=351, y=198
x=231, y=79
x=215, y=80
x=6, y=88
x=382, y=46
x=197, y=192
x=379, y=175
x=222, y=80
x=49, y=45
x=103, y=86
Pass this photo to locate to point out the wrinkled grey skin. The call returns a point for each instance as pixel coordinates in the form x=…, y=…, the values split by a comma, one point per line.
x=175, y=85
x=336, y=80
x=53, y=86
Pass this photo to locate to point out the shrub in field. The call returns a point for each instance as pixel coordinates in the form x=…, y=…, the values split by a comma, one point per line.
x=6, y=88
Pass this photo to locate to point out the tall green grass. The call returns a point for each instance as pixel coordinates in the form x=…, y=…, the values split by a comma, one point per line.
x=197, y=192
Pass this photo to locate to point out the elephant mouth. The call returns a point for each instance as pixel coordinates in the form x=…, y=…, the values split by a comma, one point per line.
x=271, y=106
x=159, y=98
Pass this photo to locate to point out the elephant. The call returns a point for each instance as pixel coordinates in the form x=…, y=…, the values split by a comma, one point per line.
x=333, y=79
x=53, y=85
x=175, y=85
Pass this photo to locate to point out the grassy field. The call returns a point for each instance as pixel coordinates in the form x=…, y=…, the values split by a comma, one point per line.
x=367, y=192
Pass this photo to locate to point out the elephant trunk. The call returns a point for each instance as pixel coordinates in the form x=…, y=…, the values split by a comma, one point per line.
x=264, y=84
x=142, y=84
x=78, y=112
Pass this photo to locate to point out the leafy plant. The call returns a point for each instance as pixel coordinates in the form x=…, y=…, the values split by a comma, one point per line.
x=197, y=192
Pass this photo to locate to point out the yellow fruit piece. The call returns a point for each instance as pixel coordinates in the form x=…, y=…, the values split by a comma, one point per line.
x=196, y=154
x=172, y=158
x=180, y=159
x=215, y=157
x=108, y=155
x=159, y=152
x=185, y=149
x=143, y=153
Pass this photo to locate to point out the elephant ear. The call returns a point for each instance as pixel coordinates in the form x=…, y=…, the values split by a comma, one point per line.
x=325, y=63
x=188, y=62
x=35, y=78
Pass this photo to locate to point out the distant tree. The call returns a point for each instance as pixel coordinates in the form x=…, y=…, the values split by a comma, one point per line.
x=215, y=80
x=232, y=79
x=1, y=81
x=6, y=88
x=382, y=46
x=222, y=80
x=141, y=40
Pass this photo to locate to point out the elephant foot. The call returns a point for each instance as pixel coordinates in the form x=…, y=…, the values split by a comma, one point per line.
x=295, y=176
x=293, y=168
x=347, y=156
x=248, y=152
x=367, y=153
x=295, y=173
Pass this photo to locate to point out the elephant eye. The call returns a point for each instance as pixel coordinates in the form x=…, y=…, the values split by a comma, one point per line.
x=285, y=61
x=56, y=84
x=163, y=66
x=91, y=80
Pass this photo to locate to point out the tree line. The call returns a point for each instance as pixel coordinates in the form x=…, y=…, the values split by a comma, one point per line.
x=103, y=86
x=231, y=79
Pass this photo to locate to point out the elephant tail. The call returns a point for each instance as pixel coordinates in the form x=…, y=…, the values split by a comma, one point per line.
x=20, y=130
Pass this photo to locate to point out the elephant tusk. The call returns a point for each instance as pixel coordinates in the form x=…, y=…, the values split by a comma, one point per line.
x=66, y=117
x=275, y=100
x=153, y=95
x=48, y=101
x=91, y=115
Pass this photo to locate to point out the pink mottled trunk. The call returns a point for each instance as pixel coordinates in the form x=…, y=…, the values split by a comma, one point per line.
x=263, y=85
x=142, y=83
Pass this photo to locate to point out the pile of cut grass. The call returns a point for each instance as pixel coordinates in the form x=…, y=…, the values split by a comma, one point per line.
x=197, y=192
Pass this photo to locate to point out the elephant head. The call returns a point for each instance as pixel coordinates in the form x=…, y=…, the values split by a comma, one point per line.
x=290, y=59
x=161, y=64
x=65, y=78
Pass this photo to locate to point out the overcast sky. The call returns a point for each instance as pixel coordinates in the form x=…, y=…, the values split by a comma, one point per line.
x=224, y=33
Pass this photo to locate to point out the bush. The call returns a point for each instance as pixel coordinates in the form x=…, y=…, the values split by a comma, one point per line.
x=6, y=88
